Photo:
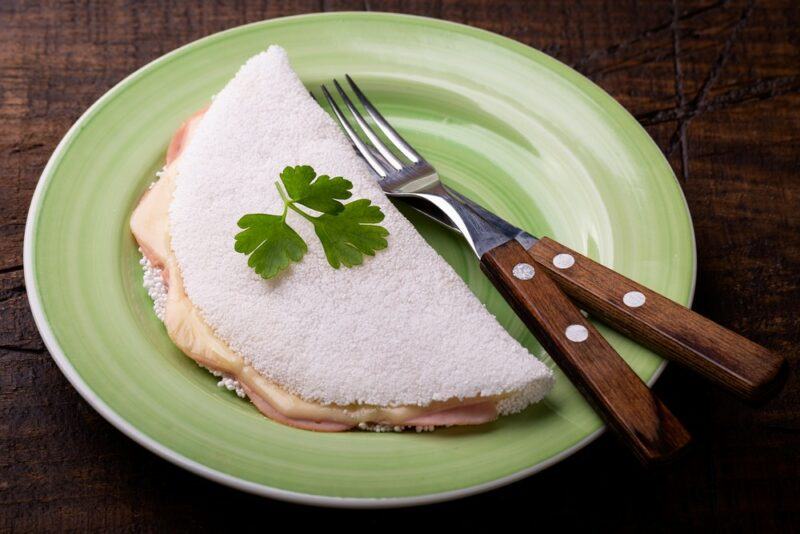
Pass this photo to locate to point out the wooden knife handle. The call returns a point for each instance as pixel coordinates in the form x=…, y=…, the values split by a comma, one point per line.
x=599, y=373
x=674, y=331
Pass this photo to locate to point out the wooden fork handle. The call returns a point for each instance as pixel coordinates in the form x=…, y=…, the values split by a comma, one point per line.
x=593, y=366
x=674, y=331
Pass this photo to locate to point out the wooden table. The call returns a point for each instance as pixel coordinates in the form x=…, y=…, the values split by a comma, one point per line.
x=717, y=85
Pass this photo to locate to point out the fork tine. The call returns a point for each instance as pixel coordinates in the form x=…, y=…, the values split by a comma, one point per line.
x=390, y=132
x=377, y=155
x=374, y=139
x=359, y=144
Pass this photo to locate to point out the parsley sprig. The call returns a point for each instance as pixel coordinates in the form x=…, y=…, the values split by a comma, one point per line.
x=347, y=231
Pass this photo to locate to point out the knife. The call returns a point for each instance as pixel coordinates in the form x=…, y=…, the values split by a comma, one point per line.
x=727, y=359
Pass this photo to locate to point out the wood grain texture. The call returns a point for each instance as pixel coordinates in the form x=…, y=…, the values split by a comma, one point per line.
x=631, y=410
x=717, y=85
x=744, y=368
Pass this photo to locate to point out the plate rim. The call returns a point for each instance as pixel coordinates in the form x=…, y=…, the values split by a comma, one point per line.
x=151, y=444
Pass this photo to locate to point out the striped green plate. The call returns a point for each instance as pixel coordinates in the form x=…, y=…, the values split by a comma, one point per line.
x=509, y=126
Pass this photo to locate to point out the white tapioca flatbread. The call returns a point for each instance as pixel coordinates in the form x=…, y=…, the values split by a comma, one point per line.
x=402, y=329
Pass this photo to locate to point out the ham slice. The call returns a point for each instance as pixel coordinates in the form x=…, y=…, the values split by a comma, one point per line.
x=267, y=409
x=473, y=414
x=182, y=136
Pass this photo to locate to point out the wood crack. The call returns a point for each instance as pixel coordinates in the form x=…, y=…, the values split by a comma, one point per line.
x=22, y=349
x=12, y=293
x=761, y=90
x=611, y=51
x=679, y=90
x=678, y=138
x=20, y=149
x=723, y=56
x=11, y=268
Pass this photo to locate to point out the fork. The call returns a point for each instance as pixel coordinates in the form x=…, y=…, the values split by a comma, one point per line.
x=594, y=367
x=727, y=359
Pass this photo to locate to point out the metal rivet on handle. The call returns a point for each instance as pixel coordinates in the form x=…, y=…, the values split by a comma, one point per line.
x=564, y=261
x=633, y=299
x=523, y=271
x=577, y=333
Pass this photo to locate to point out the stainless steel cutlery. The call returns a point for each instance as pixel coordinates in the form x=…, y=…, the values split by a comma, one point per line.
x=540, y=278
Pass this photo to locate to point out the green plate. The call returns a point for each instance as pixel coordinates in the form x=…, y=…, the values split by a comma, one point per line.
x=519, y=131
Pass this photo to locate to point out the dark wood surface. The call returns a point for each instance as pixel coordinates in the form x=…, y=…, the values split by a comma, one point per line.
x=635, y=415
x=681, y=335
x=717, y=85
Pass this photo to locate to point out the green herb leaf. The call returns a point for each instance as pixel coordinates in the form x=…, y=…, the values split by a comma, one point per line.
x=347, y=231
x=319, y=194
x=351, y=233
x=270, y=242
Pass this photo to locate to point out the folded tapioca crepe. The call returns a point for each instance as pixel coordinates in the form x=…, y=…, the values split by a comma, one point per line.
x=398, y=342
